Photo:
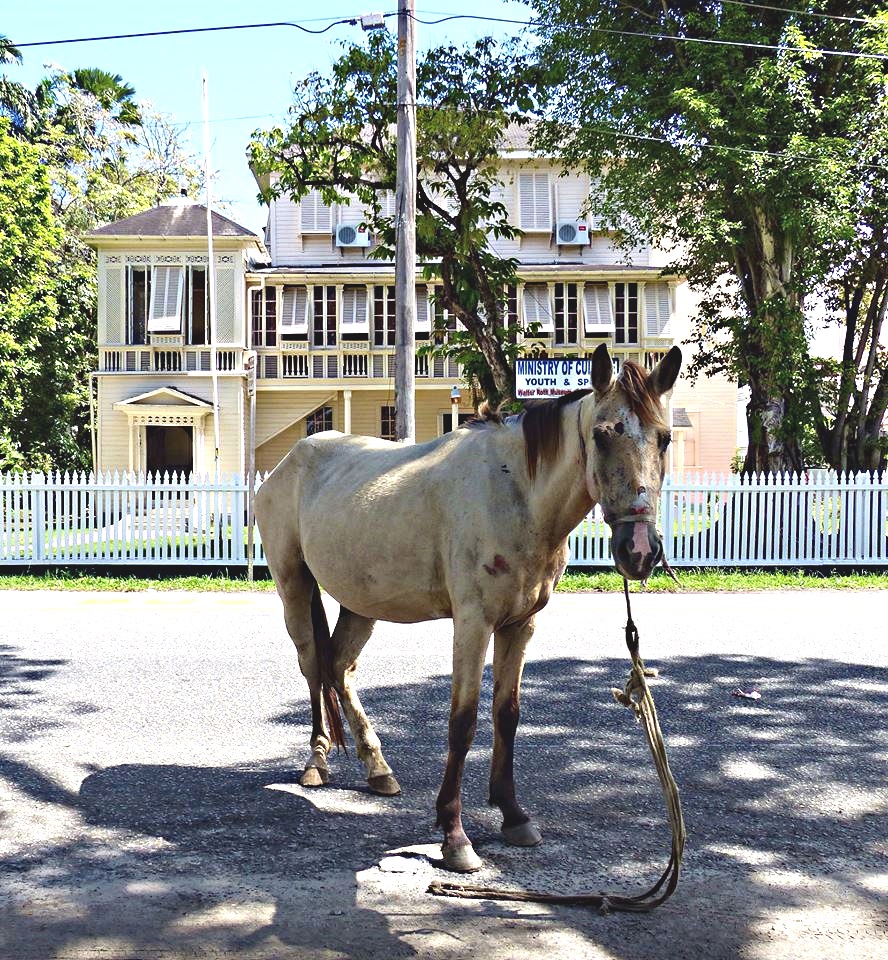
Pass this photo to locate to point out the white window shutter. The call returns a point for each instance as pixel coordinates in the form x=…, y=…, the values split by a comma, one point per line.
x=534, y=201
x=315, y=215
x=599, y=317
x=537, y=308
x=354, y=310
x=167, y=284
x=294, y=313
x=423, y=322
x=657, y=309
x=386, y=202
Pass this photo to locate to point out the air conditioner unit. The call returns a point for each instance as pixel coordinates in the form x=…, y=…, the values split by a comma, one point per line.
x=352, y=235
x=572, y=233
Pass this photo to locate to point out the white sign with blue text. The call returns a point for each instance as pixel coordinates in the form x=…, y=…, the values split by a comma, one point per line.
x=551, y=378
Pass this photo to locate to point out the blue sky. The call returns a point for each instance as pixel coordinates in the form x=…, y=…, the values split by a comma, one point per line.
x=250, y=72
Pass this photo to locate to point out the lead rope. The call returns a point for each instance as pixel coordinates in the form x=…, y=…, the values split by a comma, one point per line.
x=637, y=696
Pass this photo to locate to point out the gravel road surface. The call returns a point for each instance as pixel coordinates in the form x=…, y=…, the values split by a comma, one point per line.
x=151, y=745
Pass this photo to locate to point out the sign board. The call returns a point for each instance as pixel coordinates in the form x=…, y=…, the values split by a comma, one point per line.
x=551, y=378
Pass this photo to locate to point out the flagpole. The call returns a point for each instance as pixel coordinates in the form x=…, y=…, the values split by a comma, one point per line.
x=211, y=277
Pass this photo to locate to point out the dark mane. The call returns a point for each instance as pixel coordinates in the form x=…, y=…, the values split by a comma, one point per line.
x=541, y=420
x=541, y=424
x=633, y=380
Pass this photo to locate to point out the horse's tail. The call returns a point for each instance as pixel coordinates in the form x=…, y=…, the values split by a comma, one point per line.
x=324, y=654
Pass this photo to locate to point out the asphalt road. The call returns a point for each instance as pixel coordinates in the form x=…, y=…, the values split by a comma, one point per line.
x=151, y=744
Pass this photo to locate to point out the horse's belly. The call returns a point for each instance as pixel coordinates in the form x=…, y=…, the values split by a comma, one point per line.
x=375, y=579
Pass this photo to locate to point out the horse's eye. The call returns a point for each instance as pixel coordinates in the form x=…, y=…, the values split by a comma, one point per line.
x=600, y=437
x=663, y=441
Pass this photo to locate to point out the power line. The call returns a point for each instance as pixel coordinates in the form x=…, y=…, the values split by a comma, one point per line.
x=799, y=13
x=351, y=21
x=672, y=38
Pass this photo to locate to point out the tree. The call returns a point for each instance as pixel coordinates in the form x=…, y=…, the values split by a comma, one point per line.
x=741, y=158
x=342, y=142
x=99, y=158
x=29, y=241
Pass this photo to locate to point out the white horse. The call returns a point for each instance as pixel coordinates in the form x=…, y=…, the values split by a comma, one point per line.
x=472, y=526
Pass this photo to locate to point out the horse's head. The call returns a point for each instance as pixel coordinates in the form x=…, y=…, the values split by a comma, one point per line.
x=627, y=456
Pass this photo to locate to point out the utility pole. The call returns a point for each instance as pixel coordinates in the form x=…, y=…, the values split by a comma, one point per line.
x=405, y=228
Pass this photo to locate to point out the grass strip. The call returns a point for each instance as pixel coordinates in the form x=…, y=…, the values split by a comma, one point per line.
x=690, y=581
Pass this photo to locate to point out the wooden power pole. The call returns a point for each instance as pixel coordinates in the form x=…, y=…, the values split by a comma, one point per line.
x=405, y=228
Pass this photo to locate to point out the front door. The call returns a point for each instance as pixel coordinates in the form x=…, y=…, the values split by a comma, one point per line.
x=169, y=449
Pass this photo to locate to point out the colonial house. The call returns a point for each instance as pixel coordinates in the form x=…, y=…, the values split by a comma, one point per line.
x=311, y=311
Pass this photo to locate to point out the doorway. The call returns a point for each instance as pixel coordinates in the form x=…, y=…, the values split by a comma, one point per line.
x=169, y=449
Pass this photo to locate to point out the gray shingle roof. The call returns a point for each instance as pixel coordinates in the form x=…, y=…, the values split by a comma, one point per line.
x=172, y=220
x=680, y=417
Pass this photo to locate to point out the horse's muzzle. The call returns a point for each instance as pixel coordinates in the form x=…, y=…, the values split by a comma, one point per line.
x=636, y=548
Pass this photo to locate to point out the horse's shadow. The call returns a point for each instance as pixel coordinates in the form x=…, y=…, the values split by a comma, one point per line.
x=790, y=782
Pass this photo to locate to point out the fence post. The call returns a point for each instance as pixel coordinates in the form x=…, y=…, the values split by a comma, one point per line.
x=666, y=513
x=38, y=516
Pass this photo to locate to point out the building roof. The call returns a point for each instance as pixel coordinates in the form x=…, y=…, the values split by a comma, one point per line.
x=178, y=218
x=680, y=418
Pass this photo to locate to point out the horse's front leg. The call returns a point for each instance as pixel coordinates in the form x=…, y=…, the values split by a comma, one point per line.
x=509, y=647
x=470, y=641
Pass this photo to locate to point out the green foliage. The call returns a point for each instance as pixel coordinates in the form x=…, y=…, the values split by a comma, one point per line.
x=748, y=162
x=342, y=142
x=77, y=152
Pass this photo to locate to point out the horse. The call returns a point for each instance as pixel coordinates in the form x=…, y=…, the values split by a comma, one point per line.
x=471, y=526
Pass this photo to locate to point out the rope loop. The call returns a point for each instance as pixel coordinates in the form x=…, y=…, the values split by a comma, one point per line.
x=637, y=696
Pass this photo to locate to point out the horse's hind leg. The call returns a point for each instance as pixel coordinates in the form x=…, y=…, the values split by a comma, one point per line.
x=509, y=646
x=349, y=637
x=296, y=591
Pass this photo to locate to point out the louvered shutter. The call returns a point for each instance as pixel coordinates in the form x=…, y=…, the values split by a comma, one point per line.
x=537, y=308
x=386, y=202
x=534, y=201
x=657, y=309
x=598, y=315
x=315, y=215
x=226, y=307
x=165, y=315
x=354, y=310
x=294, y=317
x=112, y=326
x=423, y=322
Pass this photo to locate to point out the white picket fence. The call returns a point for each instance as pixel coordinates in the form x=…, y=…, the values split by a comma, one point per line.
x=814, y=519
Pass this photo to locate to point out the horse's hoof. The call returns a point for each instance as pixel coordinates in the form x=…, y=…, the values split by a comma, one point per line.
x=315, y=777
x=462, y=859
x=385, y=785
x=523, y=835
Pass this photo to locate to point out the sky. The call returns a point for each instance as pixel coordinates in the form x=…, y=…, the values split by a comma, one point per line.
x=250, y=73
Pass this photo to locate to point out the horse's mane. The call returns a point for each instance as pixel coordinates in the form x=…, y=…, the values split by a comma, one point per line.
x=541, y=420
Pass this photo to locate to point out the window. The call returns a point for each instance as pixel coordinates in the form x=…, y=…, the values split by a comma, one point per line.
x=165, y=312
x=534, y=201
x=138, y=298
x=422, y=326
x=626, y=312
x=537, y=308
x=443, y=320
x=324, y=316
x=387, y=422
x=383, y=316
x=263, y=317
x=566, y=313
x=294, y=312
x=598, y=316
x=657, y=312
x=318, y=421
x=196, y=305
x=355, y=324
x=314, y=215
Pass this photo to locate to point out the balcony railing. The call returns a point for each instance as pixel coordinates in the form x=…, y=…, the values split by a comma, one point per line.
x=169, y=359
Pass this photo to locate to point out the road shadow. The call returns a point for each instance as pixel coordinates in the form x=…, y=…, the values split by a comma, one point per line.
x=788, y=786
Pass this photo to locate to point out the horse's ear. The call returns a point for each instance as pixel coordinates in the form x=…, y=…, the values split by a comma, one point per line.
x=665, y=373
x=602, y=369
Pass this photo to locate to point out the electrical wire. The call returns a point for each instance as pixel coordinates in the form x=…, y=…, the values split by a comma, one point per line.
x=351, y=21
x=672, y=38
